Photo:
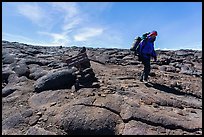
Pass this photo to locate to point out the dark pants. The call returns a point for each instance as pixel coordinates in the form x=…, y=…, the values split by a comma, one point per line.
x=146, y=71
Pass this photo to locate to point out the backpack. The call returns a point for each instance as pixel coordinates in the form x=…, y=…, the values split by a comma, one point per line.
x=135, y=46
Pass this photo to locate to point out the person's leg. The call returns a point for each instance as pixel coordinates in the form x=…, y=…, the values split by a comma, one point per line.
x=141, y=76
x=146, y=68
x=142, y=73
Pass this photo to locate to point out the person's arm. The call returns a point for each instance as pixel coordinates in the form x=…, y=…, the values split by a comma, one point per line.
x=154, y=55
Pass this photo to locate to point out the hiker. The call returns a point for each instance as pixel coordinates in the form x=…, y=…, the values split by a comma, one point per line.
x=146, y=51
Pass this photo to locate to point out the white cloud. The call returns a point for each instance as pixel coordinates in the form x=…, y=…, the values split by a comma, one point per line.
x=54, y=35
x=23, y=39
x=70, y=9
x=109, y=38
x=77, y=22
x=58, y=38
x=112, y=38
x=34, y=13
x=71, y=25
x=88, y=33
x=71, y=14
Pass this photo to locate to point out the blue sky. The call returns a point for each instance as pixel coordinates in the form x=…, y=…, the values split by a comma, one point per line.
x=103, y=24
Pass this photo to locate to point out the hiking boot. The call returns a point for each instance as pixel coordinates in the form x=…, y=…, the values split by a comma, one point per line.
x=145, y=81
x=141, y=78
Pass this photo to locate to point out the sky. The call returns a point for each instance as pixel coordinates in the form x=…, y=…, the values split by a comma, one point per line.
x=103, y=24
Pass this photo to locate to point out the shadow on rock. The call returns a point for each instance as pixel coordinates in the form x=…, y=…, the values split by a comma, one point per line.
x=165, y=88
x=105, y=131
x=170, y=89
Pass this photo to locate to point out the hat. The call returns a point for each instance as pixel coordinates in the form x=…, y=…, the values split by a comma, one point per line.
x=153, y=33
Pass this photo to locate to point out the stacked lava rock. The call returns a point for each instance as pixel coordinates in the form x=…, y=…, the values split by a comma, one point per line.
x=85, y=76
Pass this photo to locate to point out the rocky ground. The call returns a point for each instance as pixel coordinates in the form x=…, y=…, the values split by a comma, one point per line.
x=39, y=96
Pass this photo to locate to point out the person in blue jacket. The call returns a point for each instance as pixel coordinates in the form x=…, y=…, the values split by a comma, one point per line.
x=146, y=50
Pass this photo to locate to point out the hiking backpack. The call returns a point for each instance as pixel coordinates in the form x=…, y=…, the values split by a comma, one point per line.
x=135, y=46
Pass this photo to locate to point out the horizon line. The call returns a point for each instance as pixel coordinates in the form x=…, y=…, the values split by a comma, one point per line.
x=56, y=45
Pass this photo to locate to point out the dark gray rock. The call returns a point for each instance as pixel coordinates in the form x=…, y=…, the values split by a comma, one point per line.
x=8, y=90
x=8, y=59
x=46, y=97
x=160, y=119
x=33, y=120
x=34, y=51
x=27, y=113
x=38, y=131
x=164, y=61
x=198, y=55
x=152, y=74
x=56, y=64
x=110, y=52
x=82, y=120
x=171, y=69
x=37, y=74
x=183, y=53
x=179, y=60
x=21, y=69
x=132, y=62
x=34, y=67
x=13, y=78
x=113, y=60
x=135, y=128
x=128, y=57
x=55, y=80
x=197, y=73
x=12, y=121
x=87, y=71
x=92, y=116
x=36, y=71
x=187, y=70
x=154, y=66
x=6, y=72
x=101, y=59
x=162, y=68
x=40, y=62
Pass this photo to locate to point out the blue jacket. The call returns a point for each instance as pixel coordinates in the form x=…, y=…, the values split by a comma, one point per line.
x=146, y=48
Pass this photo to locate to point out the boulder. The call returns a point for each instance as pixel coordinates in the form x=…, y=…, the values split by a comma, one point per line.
x=8, y=90
x=55, y=80
x=36, y=71
x=13, y=78
x=85, y=120
x=21, y=69
x=8, y=59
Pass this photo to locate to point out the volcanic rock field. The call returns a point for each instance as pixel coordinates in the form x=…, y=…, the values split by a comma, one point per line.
x=39, y=96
